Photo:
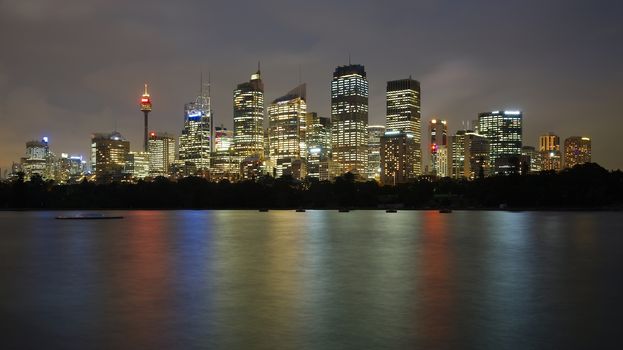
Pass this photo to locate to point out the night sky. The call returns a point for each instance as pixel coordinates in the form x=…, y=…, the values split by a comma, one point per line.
x=69, y=68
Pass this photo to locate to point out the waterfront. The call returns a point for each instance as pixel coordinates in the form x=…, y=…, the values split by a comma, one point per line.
x=313, y=280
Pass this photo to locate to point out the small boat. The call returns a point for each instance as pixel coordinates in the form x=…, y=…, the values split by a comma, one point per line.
x=391, y=211
x=445, y=210
x=89, y=217
x=300, y=210
x=263, y=210
x=343, y=210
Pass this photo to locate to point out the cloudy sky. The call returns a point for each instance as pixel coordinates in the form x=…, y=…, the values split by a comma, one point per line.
x=69, y=68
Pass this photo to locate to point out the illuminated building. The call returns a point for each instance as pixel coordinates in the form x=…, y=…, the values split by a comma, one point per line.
x=375, y=132
x=349, y=119
x=397, y=158
x=137, y=165
x=161, y=153
x=249, y=118
x=38, y=161
x=577, y=151
x=224, y=163
x=549, y=148
x=439, y=147
x=108, y=156
x=318, y=146
x=477, y=163
x=457, y=144
x=288, y=149
x=70, y=168
x=145, y=108
x=196, y=140
x=532, y=157
x=503, y=130
x=403, y=99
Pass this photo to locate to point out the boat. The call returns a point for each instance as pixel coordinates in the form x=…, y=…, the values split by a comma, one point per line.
x=445, y=210
x=391, y=211
x=300, y=210
x=89, y=217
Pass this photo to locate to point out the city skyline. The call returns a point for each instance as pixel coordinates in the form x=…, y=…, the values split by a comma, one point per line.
x=62, y=90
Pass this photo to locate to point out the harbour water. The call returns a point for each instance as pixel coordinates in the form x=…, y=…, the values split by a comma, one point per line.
x=312, y=280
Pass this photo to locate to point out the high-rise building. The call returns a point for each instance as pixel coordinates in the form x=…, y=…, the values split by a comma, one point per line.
x=577, y=151
x=196, y=140
x=249, y=118
x=375, y=132
x=108, y=156
x=288, y=118
x=549, y=148
x=503, y=130
x=477, y=163
x=403, y=100
x=38, y=161
x=161, y=148
x=533, y=158
x=225, y=164
x=439, y=147
x=318, y=146
x=137, y=164
x=457, y=142
x=349, y=119
x=397, y=158
x=70, y=168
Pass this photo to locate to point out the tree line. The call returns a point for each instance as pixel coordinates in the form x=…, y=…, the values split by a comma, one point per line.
x=586, y=186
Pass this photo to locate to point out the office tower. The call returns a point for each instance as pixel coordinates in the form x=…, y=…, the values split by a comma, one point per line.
x=375, y=132
x=161, y=148
x=145, y=108
x=196, y=139
x=318, y=146
x=457, y=142
x=530, y=155
x=397, y=157
x=503, y=129
x=403, y=112
x=38, y=161
x=108, y=156
x=477, y=163
x=249, y=118
x=224, y=163
x=137, y=165
x=288, y=148
x=549, y=148
x=349, y=119
x=577, y=151
x=439, y=147
x=70, y=168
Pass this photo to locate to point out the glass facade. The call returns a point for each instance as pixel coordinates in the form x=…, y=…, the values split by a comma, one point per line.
x=196, y=139
x=503, y=130
x=249, y=118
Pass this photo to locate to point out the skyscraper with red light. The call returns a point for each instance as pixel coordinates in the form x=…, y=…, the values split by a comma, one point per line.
x=146, y=108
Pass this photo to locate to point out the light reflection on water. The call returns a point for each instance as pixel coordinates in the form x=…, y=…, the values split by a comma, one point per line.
x=314, y=280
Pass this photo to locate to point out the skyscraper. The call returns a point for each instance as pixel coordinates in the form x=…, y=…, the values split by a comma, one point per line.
x=137, y=165
x=397, y=156
x=477, y=163
x=108, y=156
x=549, y=148
x=38, y=161
x=439, y=147
x=349, y=119
x=375, y=132
x=503, y=130
x=224, y=163
x=161, y=148
x=577, y=151
x=318, y=146
x=403, y=99
x=457, y=142
x=531, y=155
x=288, y=148
x=249, y=118
x=196, y=139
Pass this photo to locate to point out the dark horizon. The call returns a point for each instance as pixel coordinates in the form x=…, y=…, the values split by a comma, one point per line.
x=72, y=68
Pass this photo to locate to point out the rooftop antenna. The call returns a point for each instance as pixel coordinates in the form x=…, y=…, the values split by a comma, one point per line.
x=349, y=59
x=258, y=66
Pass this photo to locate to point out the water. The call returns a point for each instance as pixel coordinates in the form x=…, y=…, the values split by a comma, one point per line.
x=314, y=280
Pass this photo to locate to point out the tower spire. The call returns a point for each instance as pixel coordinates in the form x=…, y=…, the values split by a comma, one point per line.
x=146, y=93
